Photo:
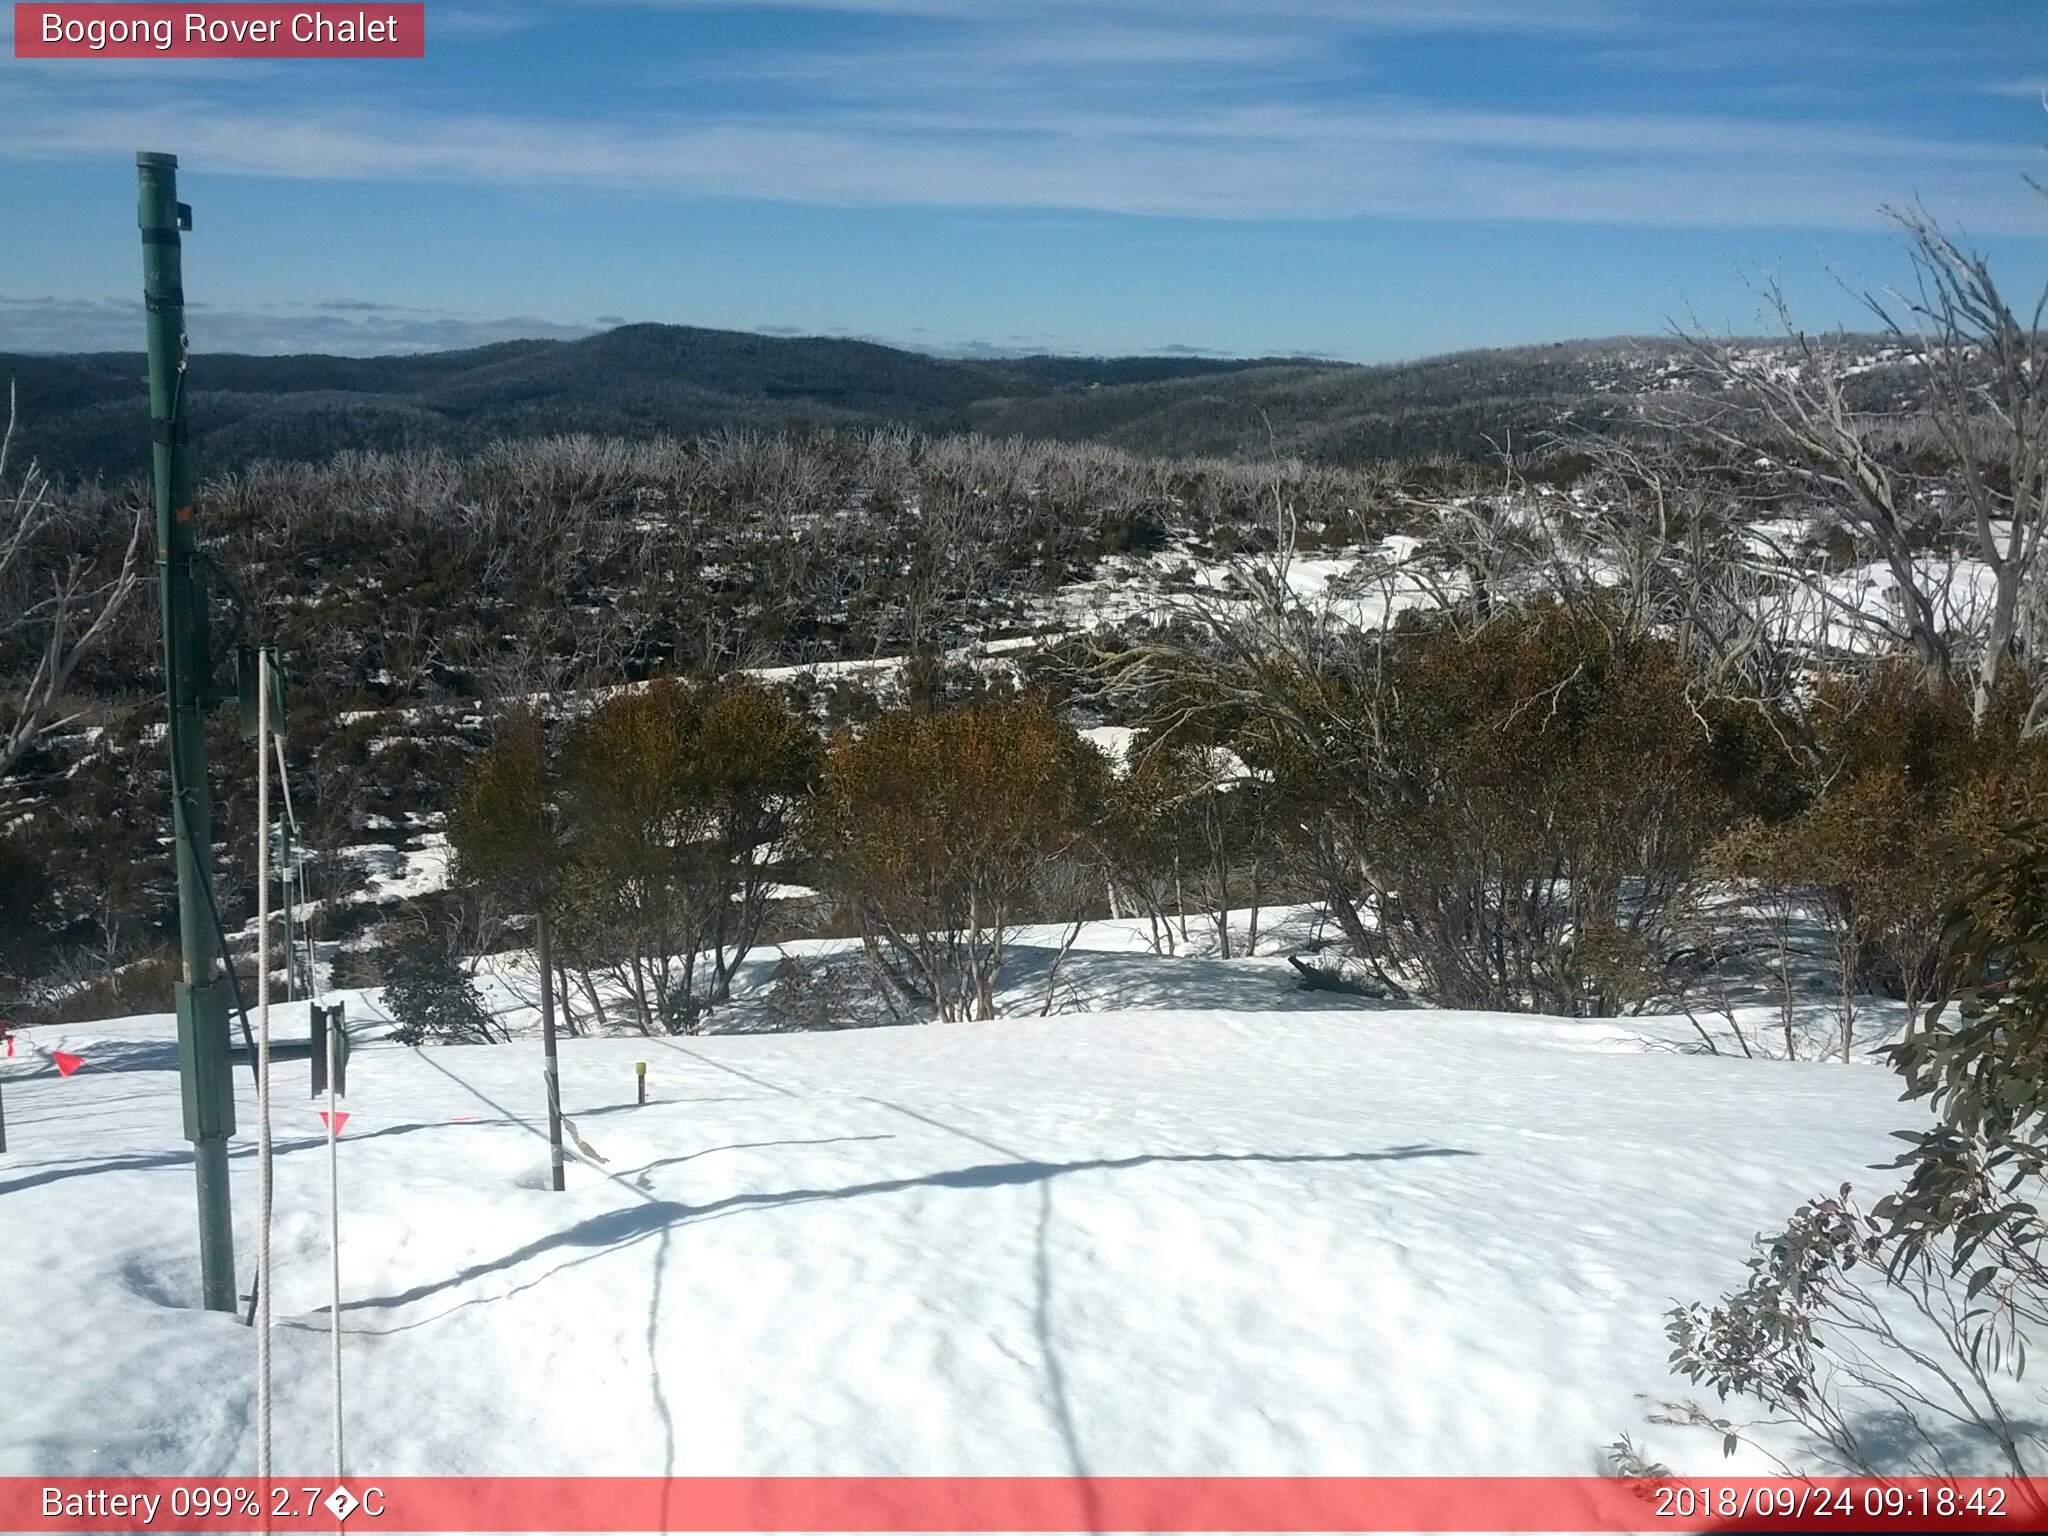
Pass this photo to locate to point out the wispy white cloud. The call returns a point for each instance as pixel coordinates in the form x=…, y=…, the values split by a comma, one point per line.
x=1384, y=157
x=1230, y=109
x=1393, y=15
x=1146, y=42
x=463, y=23
x=343, y=328
x=1012, y=49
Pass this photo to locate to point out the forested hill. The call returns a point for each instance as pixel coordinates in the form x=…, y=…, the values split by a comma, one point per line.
x=85, y=416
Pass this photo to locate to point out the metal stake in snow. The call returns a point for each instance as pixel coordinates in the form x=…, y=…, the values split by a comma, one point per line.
x=263, y=1157
x=7, y=1035
x=64, y=1061
x=552, y=1071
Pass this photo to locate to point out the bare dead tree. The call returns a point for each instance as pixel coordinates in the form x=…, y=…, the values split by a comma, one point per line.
x=1982, y=368
x=52, y=614
x=1659, y=543
x=1985, y=370
x=1791, y=409
x=1252, y=647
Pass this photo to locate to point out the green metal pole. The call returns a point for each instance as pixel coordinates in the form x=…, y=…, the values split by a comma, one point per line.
x=204, y=1063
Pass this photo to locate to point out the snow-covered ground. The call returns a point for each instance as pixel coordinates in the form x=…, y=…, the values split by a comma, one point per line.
x=1196, y=1233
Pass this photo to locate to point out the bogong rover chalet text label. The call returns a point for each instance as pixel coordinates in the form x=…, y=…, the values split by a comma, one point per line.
x=220, y=31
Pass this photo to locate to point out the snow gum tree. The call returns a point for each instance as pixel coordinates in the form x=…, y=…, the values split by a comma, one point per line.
x=428, y=993
x=650, y=842
x=1144, y=837
x=679, y=804
x=940, y=831
x=1975, y=1179
x=1502, y=810
x=1547, y=789
x=504, y=827
x=1899, y=800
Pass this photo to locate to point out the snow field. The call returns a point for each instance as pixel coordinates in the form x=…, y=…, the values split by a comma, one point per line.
x=1164, y=1241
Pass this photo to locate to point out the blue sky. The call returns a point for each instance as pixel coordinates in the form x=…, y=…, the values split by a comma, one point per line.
x=1364, y=179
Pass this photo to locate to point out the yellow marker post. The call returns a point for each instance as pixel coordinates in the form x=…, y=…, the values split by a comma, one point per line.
x=640, y=1071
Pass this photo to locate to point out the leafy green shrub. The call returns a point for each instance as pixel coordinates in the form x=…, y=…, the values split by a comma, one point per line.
x=1874, y=1347
x=429, y=994
x=1532, y=809
x=1899, y=1338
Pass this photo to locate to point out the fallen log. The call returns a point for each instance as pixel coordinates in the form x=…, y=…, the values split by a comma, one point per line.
x=1320, y=978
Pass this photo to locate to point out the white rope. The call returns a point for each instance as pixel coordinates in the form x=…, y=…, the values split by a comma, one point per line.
x=334, y=1043
x=304, y=929
x=266, y=744
x=334, y=1235
x=263, y=1159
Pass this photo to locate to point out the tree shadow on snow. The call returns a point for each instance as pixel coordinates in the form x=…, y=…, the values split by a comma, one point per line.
x=617, y=1228
x=101, y=1056
x=238, y=1151
x=639, y=1175
x=1121, y=981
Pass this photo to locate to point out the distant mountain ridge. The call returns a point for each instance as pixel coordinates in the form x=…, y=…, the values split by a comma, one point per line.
x=85, y=415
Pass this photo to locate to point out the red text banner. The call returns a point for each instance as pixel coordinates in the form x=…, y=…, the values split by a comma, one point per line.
x=366, y=1503
x=220, y=31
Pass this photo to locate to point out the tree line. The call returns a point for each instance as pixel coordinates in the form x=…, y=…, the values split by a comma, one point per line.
x=1535, y=812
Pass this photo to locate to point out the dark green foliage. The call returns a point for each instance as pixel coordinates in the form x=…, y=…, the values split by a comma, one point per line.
x=1534, y=809
x=429, y=994
x=1459, y=408
x=1976, y=1177
x=25, y=912
x=1815, y=1333
x=504, y=828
